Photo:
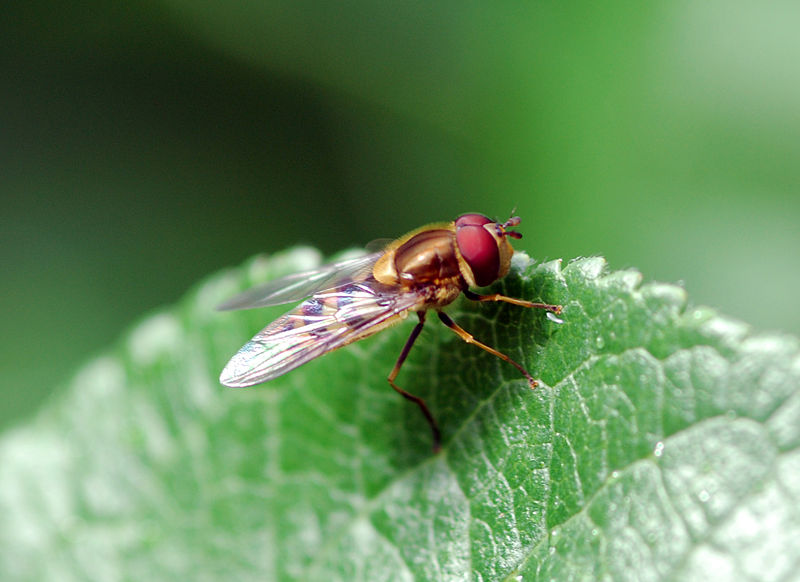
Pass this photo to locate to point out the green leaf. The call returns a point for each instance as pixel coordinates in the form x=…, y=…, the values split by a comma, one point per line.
x=661, y=444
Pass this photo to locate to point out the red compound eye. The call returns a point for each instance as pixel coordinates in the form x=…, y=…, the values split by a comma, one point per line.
x=472, y=220
x=478, y=247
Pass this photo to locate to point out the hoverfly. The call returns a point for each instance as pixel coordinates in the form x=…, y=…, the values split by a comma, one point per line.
x=426, y=269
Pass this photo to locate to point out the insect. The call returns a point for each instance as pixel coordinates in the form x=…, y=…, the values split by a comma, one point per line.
x=426, y=269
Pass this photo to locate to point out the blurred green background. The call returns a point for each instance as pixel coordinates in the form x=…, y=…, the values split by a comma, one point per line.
x=147, y=144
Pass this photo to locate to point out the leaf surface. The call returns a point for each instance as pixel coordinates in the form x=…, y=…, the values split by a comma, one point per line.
x=661, y=444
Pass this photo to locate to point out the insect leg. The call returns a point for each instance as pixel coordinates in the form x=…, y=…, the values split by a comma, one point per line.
x=437, y=437
x=467, y=337
x=521, y=302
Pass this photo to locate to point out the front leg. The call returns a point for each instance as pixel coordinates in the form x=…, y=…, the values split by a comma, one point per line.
x=521, y=302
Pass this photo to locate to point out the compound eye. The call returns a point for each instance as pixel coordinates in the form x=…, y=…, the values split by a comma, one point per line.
x=479, y=248
x=472, y=220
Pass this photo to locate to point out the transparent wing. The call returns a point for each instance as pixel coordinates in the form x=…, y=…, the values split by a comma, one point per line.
x=300, y=285
x=378, y=245
x=328, y=320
